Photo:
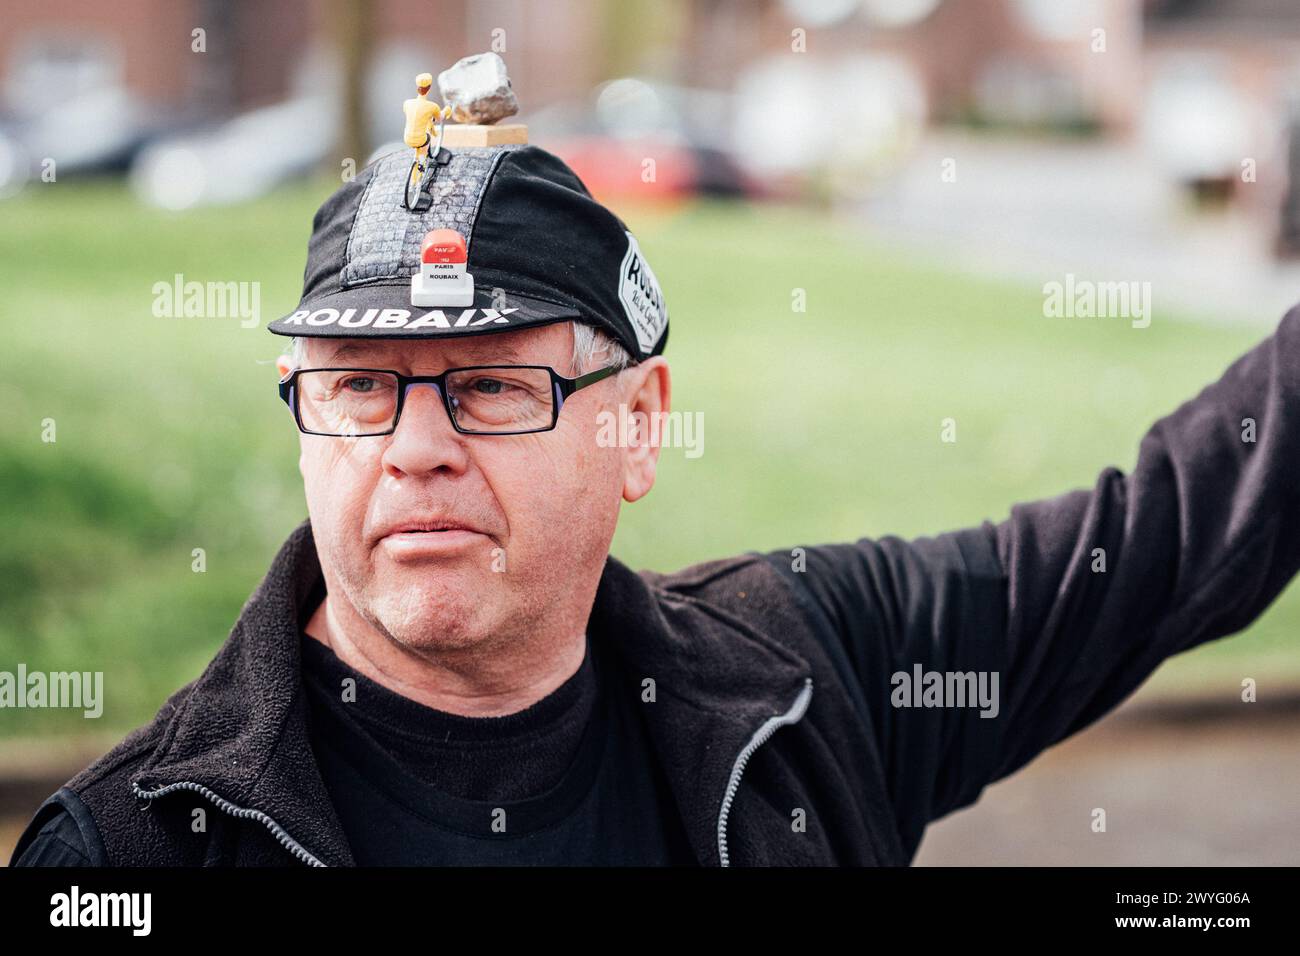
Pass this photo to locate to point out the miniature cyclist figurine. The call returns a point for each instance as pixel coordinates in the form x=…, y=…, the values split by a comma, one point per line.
x=422, y=115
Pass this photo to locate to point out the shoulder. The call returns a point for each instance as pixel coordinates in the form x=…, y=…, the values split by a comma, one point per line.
x=722, y=581
x=96, y=809
x=132, y=751
x=62, y=833
x=749, y=588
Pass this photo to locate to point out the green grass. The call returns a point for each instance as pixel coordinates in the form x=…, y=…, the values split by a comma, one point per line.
x=819, y=426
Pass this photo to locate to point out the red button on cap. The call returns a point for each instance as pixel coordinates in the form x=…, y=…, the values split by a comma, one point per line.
x=442, y=245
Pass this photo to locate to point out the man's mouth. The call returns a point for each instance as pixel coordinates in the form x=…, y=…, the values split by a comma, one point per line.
x=431, y=538
x=433, y=524
x=430, y=527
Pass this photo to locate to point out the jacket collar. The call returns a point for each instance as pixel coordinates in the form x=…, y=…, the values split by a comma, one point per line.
x=242, y=730
x=716, y=682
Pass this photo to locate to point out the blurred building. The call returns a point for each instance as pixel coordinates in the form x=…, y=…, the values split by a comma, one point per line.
x=237, y=95
x=829, y=91
x=1086, y=64
x=1222, y=74
x=254, y=51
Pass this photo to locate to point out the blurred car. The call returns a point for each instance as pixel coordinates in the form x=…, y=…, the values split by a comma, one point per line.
x=650, y=142
x=240, y=158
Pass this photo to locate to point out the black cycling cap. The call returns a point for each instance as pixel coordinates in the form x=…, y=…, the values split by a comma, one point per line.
x=539, y=249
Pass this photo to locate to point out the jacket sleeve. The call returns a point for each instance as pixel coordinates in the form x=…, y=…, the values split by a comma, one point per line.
x=1072, y=601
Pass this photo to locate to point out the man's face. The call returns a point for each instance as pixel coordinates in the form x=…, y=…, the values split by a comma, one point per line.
x=528, y=518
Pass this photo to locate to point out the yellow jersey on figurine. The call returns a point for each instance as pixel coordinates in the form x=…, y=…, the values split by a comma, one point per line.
x=476, y=91
x=423, y=117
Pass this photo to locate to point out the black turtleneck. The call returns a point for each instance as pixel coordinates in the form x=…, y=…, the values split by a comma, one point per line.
x=569, y=780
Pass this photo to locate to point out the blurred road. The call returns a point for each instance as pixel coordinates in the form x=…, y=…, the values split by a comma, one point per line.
x=1026, y=210
x=1181, y=784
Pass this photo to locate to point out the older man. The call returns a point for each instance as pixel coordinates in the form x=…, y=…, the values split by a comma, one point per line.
x=444, y=665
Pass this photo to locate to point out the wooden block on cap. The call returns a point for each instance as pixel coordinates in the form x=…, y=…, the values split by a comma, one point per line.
x=467, y=134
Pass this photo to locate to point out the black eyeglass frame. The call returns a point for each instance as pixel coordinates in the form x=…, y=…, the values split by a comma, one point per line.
x=561, y=389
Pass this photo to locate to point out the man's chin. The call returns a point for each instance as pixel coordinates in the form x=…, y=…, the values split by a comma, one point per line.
x=442, y=606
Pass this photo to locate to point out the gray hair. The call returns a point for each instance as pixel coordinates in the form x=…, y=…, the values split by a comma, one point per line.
x=589, y=343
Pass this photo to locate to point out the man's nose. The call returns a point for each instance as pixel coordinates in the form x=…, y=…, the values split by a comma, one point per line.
x=425, y=439
x=431, y=386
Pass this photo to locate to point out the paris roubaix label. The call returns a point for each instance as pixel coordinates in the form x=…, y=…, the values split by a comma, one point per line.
x=638, y=290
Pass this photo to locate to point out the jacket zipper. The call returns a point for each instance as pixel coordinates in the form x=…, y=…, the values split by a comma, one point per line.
x=301, y=853
x=769, y=727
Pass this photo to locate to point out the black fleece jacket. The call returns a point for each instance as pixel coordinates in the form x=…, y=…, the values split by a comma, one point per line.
x=774, y=698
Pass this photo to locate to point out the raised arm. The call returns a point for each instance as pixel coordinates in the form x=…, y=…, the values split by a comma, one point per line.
x=1073, y=601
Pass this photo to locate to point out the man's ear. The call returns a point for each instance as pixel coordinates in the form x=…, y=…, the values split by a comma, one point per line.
x=647, y=395
x=285, y=365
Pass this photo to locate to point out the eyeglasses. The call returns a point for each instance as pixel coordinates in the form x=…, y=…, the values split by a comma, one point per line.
x=480, y=399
